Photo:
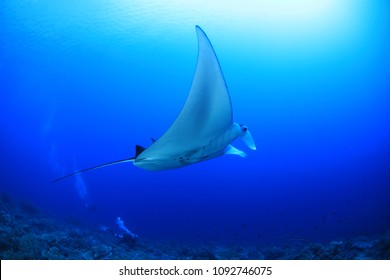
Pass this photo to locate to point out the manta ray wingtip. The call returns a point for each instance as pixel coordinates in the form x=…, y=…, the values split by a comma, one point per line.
x=199, y=30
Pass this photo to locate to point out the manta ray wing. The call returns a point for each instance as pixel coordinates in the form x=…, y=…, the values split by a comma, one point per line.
x=206, y=113
x=207, y=110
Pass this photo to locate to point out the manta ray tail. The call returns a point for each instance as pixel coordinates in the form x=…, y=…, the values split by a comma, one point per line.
x=95, y=167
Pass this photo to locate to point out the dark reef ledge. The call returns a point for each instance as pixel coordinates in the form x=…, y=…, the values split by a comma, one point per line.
x=28, y=233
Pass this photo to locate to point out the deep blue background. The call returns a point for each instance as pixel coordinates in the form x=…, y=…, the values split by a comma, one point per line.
x=91, y=79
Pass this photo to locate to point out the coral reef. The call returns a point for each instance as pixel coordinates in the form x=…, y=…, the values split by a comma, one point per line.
x=28, y=233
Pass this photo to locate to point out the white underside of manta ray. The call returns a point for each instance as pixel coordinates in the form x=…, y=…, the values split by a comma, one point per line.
x=204, y=128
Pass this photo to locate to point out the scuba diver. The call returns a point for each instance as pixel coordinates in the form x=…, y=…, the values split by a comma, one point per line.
x=125, y=236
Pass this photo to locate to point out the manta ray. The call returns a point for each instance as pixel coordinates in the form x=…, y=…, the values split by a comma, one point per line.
x=203, y=129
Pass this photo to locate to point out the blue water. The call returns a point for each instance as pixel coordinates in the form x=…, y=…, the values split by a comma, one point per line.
x=83, y=82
